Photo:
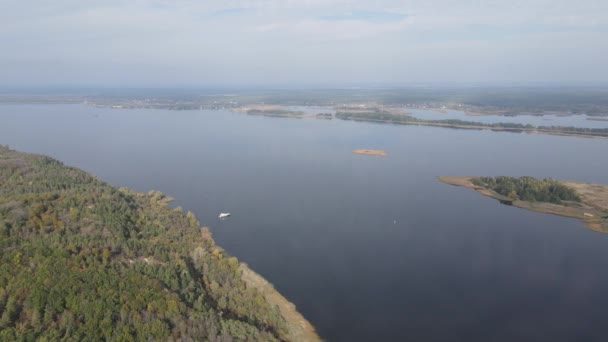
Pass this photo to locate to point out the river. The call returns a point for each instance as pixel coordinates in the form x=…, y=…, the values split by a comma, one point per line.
x=368, y=248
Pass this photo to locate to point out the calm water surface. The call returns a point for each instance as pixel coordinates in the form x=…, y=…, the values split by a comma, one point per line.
x=368, y=248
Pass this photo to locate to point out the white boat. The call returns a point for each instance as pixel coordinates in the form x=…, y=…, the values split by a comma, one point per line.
x=224, y=215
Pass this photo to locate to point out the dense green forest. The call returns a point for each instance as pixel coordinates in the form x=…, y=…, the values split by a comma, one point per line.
x=529, y=189
x=385, y=116
x=82, y=260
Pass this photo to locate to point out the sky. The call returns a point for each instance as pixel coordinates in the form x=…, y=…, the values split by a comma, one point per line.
x=172, y=43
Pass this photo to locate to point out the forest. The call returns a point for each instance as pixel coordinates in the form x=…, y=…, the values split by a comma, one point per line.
x=83, y=260
x=529, y=189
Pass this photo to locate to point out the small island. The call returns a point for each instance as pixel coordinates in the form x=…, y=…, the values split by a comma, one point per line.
x=585, y=201
x=370, y=152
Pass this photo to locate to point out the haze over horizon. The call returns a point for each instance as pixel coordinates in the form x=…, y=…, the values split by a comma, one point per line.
x=272, y=42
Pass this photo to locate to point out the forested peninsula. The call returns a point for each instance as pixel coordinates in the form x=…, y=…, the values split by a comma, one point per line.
x=83, y=260
x=585, y=201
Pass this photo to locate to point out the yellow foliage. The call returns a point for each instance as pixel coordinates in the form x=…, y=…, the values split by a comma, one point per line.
x=172, y=306
x=233, y=262
x=106, y=253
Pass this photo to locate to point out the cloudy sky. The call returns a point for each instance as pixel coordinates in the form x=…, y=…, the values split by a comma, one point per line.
x=314, y=42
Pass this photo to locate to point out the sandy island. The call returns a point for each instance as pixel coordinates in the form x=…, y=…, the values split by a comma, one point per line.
x=371, y=152
x=593, y=208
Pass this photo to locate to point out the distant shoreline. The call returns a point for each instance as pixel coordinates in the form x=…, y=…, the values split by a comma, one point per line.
x=474, y=127
x=281, y=111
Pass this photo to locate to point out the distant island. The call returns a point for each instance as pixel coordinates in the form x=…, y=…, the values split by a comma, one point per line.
x=385, y=116
x=370, y=152
x=585, y=201
x=399, y=117
x=277, y=112
x=83, y=260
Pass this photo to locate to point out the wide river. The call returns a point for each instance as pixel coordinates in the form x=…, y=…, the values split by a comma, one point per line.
x=368, y=248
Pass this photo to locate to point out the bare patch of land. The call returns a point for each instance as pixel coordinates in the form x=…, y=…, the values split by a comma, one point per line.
x=592, y=209
x=370, y=152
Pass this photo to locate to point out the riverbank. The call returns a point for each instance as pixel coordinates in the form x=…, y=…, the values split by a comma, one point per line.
x=417, y=122
x=592, y=209
x=299, y=329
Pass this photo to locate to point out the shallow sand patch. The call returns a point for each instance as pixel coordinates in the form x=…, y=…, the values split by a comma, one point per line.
x=371, y=152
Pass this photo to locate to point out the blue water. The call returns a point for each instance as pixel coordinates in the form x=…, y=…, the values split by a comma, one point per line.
x=368, y=248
